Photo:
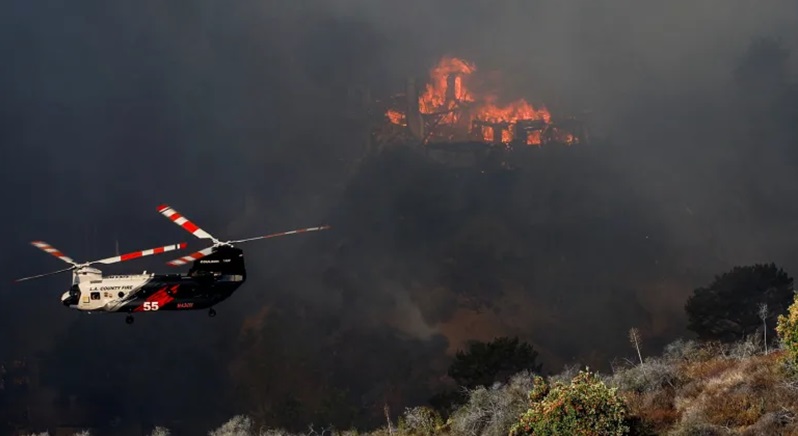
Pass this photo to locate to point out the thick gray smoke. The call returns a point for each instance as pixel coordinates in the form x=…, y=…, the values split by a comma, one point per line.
x=232, y=113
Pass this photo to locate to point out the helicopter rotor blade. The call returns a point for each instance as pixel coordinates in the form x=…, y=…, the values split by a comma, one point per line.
x=183, y=222
x=47, y=248
x=191, y=257
x=137, y=254
x=44, y=275
x=290, y=232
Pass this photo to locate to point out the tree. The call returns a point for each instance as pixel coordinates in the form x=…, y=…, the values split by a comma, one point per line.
x=483, y=364
x=728, y=309
x=496, y=361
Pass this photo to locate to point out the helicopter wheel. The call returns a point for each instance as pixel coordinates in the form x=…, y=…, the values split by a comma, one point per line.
x=129, y=319
x=212, y=313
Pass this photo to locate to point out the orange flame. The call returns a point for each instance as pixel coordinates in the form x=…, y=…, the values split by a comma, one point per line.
x=517, y=110
x=396, y=117
x=448, y=95
x=435, y=97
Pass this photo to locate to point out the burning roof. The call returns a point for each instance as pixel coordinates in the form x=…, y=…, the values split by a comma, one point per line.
x=450, y=109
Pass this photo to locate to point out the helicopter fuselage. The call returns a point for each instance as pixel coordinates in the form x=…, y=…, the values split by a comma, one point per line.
x=210, y=280
x=151, y=292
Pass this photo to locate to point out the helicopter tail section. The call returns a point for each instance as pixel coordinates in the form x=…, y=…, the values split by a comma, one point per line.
x=224, y=262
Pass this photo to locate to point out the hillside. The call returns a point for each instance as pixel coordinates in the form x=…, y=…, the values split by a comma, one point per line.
x=691, y=389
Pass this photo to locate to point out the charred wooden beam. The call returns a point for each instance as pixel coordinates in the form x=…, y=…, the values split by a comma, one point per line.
x=451, y=88
x=497, y=129
x=415, y=121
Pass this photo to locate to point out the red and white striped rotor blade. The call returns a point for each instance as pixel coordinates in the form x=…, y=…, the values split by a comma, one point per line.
x=142, y=253
x=191, y=257
x=290, y=232
x=183, y=222
x=47, y=248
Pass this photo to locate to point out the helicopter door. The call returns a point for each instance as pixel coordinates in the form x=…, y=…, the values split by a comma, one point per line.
x=90, y=300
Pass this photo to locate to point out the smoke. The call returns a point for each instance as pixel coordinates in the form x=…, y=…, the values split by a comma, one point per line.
x=241, y=116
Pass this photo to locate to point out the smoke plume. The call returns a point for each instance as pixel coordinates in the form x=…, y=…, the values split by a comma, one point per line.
x=241, y=116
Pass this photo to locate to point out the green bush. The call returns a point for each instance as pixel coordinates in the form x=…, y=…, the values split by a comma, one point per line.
x=787, y=329
x=585, y=406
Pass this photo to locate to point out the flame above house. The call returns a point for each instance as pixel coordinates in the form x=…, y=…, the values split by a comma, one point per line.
x=457, y=107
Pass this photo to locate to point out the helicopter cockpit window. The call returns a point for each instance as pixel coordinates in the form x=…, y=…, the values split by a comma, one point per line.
x=95, y=295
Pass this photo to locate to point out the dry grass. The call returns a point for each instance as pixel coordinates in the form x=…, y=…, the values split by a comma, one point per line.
x=654, y=408
x=715, y=392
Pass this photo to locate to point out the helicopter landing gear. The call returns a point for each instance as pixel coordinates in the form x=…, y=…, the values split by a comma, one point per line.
x=129, y=319
x=211, y=312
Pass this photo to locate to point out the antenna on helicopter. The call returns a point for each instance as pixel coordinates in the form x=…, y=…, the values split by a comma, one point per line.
x=195, y=230
x=47, y=248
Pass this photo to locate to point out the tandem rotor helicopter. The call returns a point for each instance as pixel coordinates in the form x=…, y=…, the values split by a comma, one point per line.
x=217, y=271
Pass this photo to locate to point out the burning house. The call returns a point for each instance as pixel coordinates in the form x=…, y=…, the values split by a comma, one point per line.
x=450, y=115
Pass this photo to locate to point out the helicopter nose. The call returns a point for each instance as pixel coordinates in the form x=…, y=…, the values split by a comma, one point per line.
x=69, y=298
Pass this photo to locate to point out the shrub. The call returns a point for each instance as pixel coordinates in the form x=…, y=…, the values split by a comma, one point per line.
x=787, y=329
x=650, y=376
x=750, y=346
x=420, y=421
x=585, y=406
x=567, y=374
x=682, y=350
x=696, y=426
x=239, y=425
x=493, y=411
x=160, y=431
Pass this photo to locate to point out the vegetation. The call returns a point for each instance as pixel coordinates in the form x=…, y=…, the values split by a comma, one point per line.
x=483, y=364
x=585, y=406
x=708, y=387
x=486, y=363
x=788, y=331
x=693, y=388
x=716, y=385
x=728, y=309
x=492, y=411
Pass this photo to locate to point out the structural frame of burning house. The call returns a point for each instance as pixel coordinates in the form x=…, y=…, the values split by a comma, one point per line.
x=447, y=118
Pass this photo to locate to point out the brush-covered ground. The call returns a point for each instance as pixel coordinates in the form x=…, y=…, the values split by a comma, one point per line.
x=691, y=389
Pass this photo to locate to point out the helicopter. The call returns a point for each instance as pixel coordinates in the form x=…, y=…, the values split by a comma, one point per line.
x=217, y=271
x=98, y=292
